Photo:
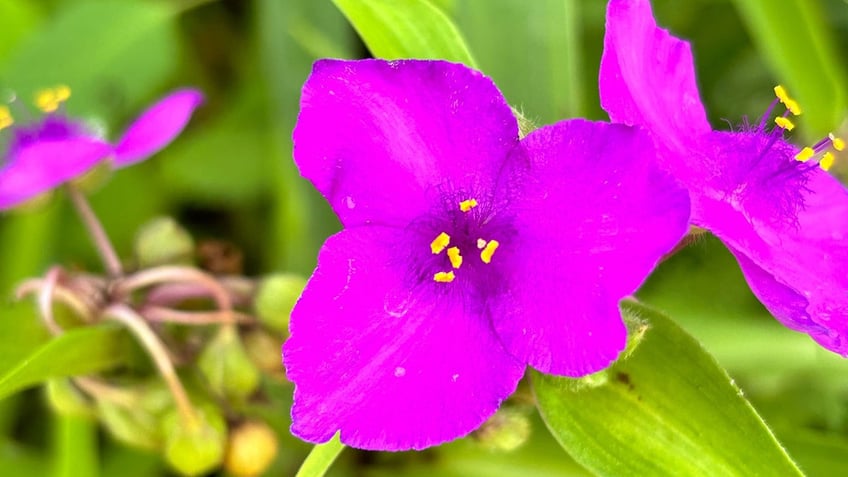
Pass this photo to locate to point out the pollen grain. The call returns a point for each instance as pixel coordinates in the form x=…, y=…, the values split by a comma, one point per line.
x=467, y=205
x=489, y=250
x=444, y=277
x=454, y=257
x=439, y=243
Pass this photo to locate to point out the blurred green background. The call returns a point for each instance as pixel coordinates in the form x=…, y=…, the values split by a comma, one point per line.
x=230, y=177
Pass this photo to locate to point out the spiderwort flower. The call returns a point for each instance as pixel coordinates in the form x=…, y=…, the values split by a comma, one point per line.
x=50, y=150
x=466, y=254
x=775, y=207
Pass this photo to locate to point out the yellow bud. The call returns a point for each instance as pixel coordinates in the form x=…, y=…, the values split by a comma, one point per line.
x=251, y=448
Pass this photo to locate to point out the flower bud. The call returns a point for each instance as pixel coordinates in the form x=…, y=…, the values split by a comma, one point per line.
x=195, y=447
x=507, y=430
x=134, y=420
x=251, y=449
x=163, y=241
x=226, y=366
x=264, y=350
x=275, y=299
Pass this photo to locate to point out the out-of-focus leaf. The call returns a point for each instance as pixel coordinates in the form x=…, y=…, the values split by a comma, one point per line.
x=16, y=20
x=539, y=68
x=818, y=454
x=795, y=38
x=78, y=351
x=321, y=458
x=668, y=409
x=111, y=53
x=75, y=447
x=406, y=29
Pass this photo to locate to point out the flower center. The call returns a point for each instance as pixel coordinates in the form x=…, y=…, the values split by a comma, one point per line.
x=820, y=152
x=461, y=243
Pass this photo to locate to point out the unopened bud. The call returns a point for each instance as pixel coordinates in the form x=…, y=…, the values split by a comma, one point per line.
x=66, y=399
x=264, y=350
x=251, y=449
x=226, y=366
x=133, y=417
x=507, y=430
x=275, y=299
x=163, y=241
x=195, y=446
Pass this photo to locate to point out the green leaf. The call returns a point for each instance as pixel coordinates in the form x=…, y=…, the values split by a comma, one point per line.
x=667, y=409
x=797, y=40
x=110, y=53
x=321, y=458
x=16, y=21
x=78, y=351
x=406, y=29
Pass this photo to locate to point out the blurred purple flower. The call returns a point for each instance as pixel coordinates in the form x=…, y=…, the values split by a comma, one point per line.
x=466, y=254
x=54, y=149
x=775, y=207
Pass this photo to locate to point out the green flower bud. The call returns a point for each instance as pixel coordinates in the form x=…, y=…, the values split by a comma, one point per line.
x=64, y=398
x=135, y=419
x=197, y=447
x=163, y=241
x=264, y=349
x=507, y=430
x=251, y=449
x=226, y=366
x=275, y=299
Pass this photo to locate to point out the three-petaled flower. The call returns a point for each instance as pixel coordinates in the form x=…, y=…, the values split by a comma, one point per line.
x=53, y=149
x=775, y=206
x=466, y=253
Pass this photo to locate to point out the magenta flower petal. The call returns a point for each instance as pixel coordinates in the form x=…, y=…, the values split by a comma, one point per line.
x=784, y=220
x=638, y=58
x=595, y=219
x=157, y=126
x=42, y=165
x=419, y=128
x=391, y=364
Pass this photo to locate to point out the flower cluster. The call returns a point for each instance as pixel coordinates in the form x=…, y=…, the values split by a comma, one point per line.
x=52, y=149
x=466, y=253
x=774, y=205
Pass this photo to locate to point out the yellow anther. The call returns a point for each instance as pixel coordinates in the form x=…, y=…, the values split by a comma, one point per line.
x=784, y=98
x=46, y=100
x=827, y=161
x=439, y=243
x=481, y=243
x=784, y=123
x=467, y=205
x=837, y=143
x=454, y=257
x=805, y=155
x=62, y=93
x=444, y=277
x=5, y=118
x=489, y=250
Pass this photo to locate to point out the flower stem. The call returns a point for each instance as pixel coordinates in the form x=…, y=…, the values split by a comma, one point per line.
x=175, y=273
x=95, y=229
x=159, y=354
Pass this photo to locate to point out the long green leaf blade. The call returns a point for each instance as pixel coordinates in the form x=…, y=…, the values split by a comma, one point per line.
x=668, y=409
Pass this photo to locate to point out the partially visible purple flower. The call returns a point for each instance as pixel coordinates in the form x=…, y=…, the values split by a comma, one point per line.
x=54, y=149
x=774, y=206
x=466, y=254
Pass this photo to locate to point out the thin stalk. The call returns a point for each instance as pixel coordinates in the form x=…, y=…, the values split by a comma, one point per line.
x=98, y=233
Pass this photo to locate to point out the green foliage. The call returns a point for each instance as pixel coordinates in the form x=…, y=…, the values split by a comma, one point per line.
x=668, y=409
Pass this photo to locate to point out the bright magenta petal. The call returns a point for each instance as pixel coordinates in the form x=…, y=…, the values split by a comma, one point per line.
x=43, y=165
x=594, y=221
x=157, y=127
x=382, y=141
x=647, y=76
x=392, y=364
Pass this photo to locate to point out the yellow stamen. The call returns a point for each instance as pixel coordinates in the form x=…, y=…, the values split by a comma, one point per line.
x=837, y=143
x=444, y=277
x=467, y=205
x=49, y=99
x=481, y=243
x=784, y=123
x=62, y=93
x=805, y=154
x=454, y=257
x=827, y=161
x=784, y=98
x=5, y=118
x=489, y=250
x=439, y=243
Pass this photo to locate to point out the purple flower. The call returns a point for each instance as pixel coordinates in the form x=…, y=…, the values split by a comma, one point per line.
x=466, y=254
x=775, y=207
x=54, y=148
